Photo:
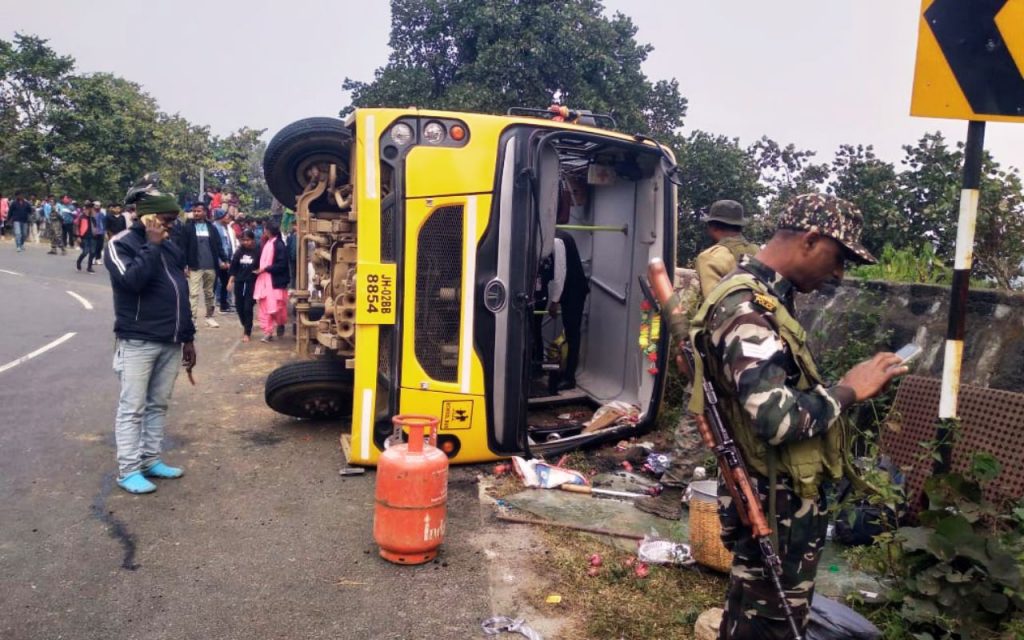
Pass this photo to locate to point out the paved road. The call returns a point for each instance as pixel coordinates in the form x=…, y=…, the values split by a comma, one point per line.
x=260, y=539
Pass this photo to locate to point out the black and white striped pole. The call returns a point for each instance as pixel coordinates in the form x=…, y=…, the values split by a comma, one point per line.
x=953, y=357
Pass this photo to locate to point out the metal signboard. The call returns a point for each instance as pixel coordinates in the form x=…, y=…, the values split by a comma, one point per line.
x=970, y=56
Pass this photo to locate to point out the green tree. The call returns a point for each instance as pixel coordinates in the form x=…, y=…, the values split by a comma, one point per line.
x=712, y=167
x=93, y=135
x=489, y=55
x=785, y=172
x=104, y=135
x=33, y=83
x=872, y=184
x=237, y=167
x=930, y=204
x=999, y=244
x=930, y=193
x=184, y=148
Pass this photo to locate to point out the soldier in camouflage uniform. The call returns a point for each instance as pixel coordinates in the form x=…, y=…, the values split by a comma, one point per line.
x=725, y=221
x=55, y=228
x=779, y=411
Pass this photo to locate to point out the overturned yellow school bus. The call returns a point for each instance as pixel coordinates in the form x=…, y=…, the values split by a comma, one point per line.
x=420, y=235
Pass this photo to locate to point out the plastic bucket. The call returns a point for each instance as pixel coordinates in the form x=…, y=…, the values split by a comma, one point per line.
x=706, y=490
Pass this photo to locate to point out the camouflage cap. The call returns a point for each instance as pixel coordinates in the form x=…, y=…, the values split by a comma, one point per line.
x=727, y=212
x=833, y=217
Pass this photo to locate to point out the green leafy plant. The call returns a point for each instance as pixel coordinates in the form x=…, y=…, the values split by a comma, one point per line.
x=918, y=265
x=959, y=576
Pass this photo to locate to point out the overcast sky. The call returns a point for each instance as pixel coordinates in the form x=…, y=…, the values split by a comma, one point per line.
x=811, y=72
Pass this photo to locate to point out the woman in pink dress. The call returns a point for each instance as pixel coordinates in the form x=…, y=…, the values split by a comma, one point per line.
x=271, y=290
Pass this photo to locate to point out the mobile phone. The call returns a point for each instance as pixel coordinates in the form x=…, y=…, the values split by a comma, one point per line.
x=908, y=352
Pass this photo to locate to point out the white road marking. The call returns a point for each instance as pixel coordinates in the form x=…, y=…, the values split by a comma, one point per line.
x=41, y=350
x=13, y=273
x=85, y=303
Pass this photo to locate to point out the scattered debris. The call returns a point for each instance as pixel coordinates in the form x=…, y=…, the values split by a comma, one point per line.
x=655, y=551
x=657, y=463
x=573, y=415
x=351, y=471
x=622, y=480
x=667, y=503
x=595, y=560
x=611, y=414
x=554, y=598
x=576, y=488
x=641, y=570
x=537, y=473
x=582, y=512
x=567, y=525
x=503, y=624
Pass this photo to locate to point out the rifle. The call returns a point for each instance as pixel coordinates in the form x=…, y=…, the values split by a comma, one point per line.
x=716, y=436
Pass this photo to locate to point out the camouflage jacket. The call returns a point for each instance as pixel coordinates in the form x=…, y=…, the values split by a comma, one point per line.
x=763, y=372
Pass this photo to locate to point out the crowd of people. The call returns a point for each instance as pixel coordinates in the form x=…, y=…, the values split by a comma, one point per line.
x=229, y=266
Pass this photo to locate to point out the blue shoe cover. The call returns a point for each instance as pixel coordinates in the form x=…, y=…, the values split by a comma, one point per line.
x=160, y=470
x=135, y=483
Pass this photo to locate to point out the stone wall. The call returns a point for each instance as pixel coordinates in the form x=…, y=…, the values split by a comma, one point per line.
x=902, y=313
x=993, y=347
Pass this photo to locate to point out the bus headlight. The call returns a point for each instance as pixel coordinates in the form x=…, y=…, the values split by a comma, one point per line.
x=401, y=134
x=434, y=133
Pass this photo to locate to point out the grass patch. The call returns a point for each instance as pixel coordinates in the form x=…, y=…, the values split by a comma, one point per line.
x=615, y=603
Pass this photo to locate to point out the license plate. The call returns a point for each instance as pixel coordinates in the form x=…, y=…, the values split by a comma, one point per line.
x=375, y=293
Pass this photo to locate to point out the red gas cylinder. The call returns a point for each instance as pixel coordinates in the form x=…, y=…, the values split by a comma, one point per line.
x=411, y=495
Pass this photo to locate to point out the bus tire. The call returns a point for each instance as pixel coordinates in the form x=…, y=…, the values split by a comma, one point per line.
x=299, y=146
x=311, y=389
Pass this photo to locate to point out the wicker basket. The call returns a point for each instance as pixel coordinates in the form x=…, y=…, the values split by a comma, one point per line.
x=706, y=530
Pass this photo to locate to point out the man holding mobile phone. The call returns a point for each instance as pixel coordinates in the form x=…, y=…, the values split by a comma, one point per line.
x=153, y=325
x=784, y=417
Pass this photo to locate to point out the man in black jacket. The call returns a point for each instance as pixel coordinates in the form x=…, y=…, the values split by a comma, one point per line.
x=205, y=255
x=153, y=324
x=19, y=215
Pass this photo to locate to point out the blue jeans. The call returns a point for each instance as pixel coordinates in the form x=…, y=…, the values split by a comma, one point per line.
x=20, y=233
x=147, y=371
